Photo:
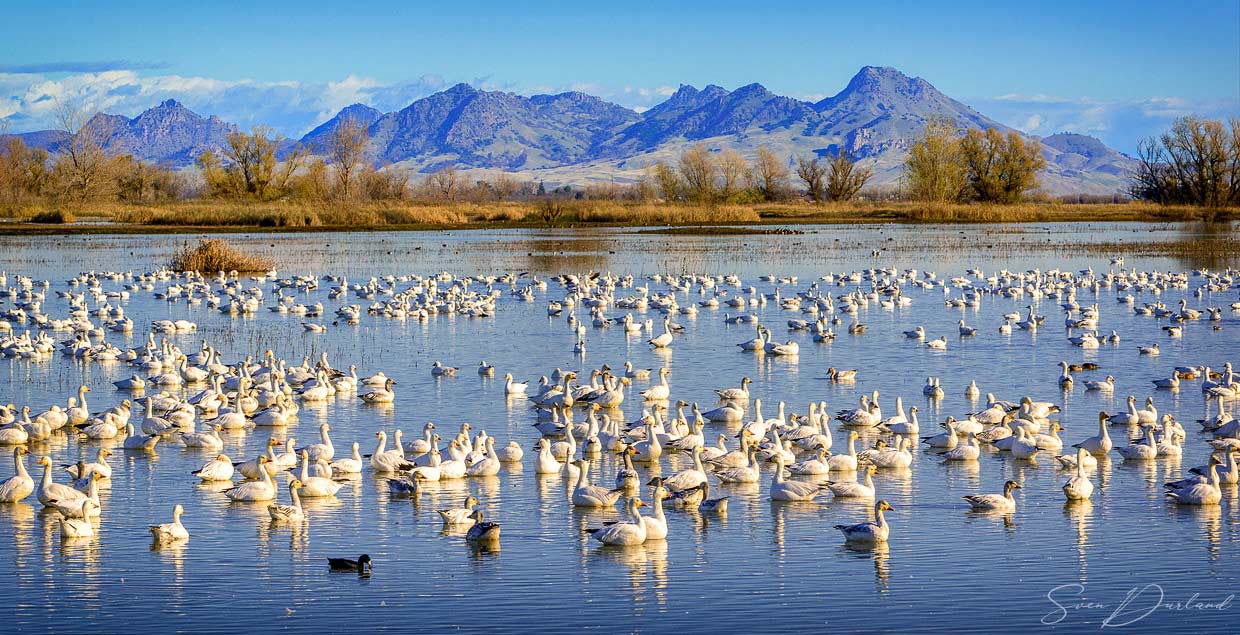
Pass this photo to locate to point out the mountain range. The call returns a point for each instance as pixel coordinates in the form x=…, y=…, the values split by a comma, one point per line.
x=575, y=138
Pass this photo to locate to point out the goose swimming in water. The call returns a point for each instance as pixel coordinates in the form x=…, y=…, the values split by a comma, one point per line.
x=171, y=532
x=482, y=531
x=995, y=502
x=869, y=532
x=362, y=565
x=628, y=532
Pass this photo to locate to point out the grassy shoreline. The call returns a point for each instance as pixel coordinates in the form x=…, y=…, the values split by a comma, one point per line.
x=232, y=217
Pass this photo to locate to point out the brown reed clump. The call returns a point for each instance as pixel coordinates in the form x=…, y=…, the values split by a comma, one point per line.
x=215, y=254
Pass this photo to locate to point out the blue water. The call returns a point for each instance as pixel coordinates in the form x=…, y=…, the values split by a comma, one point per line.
x=765, y=566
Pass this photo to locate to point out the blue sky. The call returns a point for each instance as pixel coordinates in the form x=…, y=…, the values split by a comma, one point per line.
x=1118, y=70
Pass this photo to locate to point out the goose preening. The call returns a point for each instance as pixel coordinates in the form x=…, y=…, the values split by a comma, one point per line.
x=459, y=516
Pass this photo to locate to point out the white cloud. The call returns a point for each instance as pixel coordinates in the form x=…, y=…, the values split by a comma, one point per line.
x=28, y=101
x=1120, y=123
x=1031, y=124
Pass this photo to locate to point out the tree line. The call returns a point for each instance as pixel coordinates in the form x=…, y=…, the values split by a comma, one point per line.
x=81, y=170
x=1196, y=162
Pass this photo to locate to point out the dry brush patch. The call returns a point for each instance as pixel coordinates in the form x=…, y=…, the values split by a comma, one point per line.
x=215, y=254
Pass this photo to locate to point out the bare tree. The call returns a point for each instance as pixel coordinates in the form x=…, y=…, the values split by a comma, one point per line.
x=697, y=170
x=934, y=170
x=443, y=182
x=1196, y=162
x=505, y=186
x=347, y=148
x=770, y=175
x=667, y=181
x=811, y=172
x=844, y=177
x=81, y=161
x=732, y=172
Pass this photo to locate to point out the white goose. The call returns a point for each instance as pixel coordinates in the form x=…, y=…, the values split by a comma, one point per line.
x=253, y=491
x=384, y=460
x=1079, y=487
x=315, y=486
x=1099, y=444
x=351, y=464
x=462, y=516
x=783, y=490
x=218, y=469
x=586, y=495
x=995, y=502
x=20, y=485
x=855, y=489
x=869, y=532
x=628, y=532
x=49, y=491
x=171, y=532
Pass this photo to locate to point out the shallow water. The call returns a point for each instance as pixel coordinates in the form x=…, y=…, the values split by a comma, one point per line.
x=764, y=564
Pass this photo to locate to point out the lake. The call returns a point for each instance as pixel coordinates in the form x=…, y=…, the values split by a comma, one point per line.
x=763, y=566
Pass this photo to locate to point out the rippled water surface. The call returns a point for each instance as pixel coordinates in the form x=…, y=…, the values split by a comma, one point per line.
x=764, y=566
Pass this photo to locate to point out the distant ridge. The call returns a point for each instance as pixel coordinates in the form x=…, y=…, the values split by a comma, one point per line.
x=577, y=137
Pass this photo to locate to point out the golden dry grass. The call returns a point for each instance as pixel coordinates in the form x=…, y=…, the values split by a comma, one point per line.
x=213, y=255
x=294, y=215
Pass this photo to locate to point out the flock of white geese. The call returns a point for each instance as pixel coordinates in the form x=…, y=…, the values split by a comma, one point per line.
x=195, y=398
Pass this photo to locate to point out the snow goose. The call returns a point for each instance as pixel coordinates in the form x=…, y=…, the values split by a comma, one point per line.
x=1004, y=502
x=784, y=490
x=869, y=532
x=255, y=491
x=1099, y=444
x=293, y=513
x=855, y=489
x=460, y=517
x=174, y=531
x=628, y=532
x=20, y=485
x=218, y=469
x=1079, y=487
